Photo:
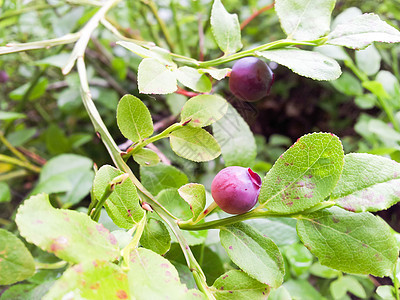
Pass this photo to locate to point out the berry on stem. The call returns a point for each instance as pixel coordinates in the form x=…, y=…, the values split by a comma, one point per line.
x=236, y=189
x=250, y=79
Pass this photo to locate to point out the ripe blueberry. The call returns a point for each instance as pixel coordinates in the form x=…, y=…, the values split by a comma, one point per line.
x=236, y=189
x=250, y=79
x=3, y=77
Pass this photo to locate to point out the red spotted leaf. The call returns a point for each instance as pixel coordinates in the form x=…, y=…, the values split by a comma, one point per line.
x=70, y=235
x=368, y=183
x=304, y=175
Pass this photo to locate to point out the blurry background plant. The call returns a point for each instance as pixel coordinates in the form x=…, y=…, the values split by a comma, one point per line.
x=42, y=118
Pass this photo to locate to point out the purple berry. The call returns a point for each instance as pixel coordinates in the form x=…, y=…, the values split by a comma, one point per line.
x=236, y=189
x=250, y=79
x=3, y=76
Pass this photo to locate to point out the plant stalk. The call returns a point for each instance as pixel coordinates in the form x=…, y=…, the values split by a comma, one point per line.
x=17, y=162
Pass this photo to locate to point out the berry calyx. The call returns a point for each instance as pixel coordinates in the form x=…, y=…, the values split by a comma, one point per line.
x=235, y=189
x=250, y=79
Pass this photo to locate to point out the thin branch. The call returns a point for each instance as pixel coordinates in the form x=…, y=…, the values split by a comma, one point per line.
x=255, y=14
x=20, y=47
x=85, y=33
x=161, y=23
x=37, y=158
x=14, y=150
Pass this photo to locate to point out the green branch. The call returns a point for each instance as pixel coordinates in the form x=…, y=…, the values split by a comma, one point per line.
x=154, y=138
x=85, y=33
x=16, y=47
x=258, y=212
x=17, y=162
x=163, y=27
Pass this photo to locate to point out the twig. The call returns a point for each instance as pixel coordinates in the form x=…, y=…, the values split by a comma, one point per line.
x=164, y=123
x=177, y=27
x=14, y=174
x=14, y=150
x=103, y=73
x=255, y=14
x=85, y=33
x=37, y=158
x=15, y=13
x=163, y=27
x=17, y=162
x=17, y=47
x=186, y=93
x=63, y=84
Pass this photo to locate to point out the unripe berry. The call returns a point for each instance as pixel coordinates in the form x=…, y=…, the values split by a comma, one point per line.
x=250, y=79
x=236, y=189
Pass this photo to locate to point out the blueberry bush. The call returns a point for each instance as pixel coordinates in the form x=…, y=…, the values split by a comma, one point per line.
x=130, y=171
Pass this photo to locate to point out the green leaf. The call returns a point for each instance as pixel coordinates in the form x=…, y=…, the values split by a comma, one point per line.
x=366, y=101
x=9, y=116
x=237, y=142
x=193, y=79
x=175, y=103
x=16, y=262
x=238, y=285
x=376, y=88
x=155, y=77
x=389, y=82
x=60, y=174
x=5, y=192
x=302, y=289
x=173, y=202
x=299, y=258
x=217, y=74
x=38, y=90
x=203, y=110
x=151, y=276
x=81, y=185
x=363, y=31
x=155, y=52
x=310, y=64
x=384, y=132
x=17, y=291
x=194, y=144
x=161, y=176
x=342, y=285
x=358, y=243
x=156, y=236
x=282, y=231
x=89, y=280
x=209, y=261
x=304, y=20
x=280, y=293
x=195, y=195
x=262, y=261
x=58, y=60
x=146, y=157
x=123, y=204
x=368, y=60
x=304, y=175
x=368, y=183
x=323, y=271
x=348, y=84
x=134, y=119
x=70, y=235
x=225, y=28
x=386, y=292
x=20, y=137
x=56, y=140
